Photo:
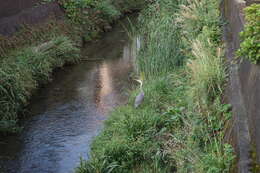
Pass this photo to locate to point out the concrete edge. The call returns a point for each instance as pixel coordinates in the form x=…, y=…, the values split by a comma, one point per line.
x=240, y=127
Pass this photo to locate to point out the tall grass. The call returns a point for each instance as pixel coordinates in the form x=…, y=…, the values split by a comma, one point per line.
x=207, y=71
x=201, y=147
x=24, y=69
x=161, y=51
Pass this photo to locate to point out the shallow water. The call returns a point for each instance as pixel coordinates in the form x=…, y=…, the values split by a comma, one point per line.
x=69, y=111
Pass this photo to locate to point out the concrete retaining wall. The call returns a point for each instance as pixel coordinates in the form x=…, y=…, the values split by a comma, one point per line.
x=244, y=91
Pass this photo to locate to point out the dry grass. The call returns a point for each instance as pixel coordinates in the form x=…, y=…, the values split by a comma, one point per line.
x=207, y=71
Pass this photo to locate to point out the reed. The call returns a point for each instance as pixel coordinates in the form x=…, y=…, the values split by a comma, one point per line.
x=162, y=47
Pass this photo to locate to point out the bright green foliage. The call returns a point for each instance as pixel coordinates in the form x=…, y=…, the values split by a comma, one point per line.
x=250, y=45
x=23, y=70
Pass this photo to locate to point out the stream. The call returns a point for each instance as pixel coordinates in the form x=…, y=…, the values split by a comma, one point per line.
x=68, y=112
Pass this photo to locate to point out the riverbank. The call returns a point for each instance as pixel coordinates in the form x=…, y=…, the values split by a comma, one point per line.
x=29, y=56
x=181, y=124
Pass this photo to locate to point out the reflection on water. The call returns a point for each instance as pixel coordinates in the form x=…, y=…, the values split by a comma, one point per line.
x=104, y=87
x=69, y=112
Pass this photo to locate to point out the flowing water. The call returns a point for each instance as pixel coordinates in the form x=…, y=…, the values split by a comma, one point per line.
x=69, y=111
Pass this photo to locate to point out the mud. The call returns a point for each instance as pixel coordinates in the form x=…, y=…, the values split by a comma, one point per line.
x=16, y=13
x=12, y=7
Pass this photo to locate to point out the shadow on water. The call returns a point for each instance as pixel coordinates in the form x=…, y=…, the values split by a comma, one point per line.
x=68, y=112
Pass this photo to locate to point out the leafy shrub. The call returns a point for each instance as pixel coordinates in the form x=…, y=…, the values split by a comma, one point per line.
x=74, y=8
x=250, y=45
x=78, y=10
x=108, y=10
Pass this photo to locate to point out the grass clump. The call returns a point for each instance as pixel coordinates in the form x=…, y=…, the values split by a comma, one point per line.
x=206, y=70
x=24, y=70
x=250, y=45
x=180, y=126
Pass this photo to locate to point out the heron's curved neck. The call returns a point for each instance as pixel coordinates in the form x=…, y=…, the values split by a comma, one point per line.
x=141, y=87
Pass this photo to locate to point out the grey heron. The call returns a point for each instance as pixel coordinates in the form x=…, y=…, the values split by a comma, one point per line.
x=140, y=97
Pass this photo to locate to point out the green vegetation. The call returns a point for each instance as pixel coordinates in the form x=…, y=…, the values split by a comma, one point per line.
x=180, y=126
x=23, y=70
x=250, y=46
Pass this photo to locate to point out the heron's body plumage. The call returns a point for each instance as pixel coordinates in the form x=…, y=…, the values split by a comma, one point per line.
x=139, y=99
